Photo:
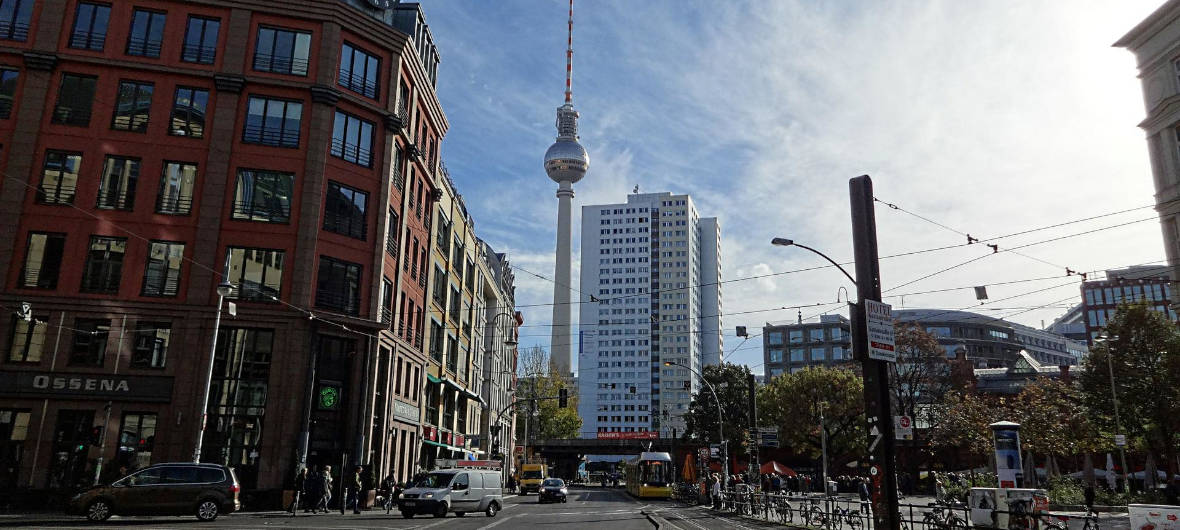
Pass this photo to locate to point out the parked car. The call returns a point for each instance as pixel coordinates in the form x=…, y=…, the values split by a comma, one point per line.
x=552, y=489
x=453, y=490
x=205, y=490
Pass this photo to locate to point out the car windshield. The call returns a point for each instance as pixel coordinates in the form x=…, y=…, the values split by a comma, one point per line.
x=553, y=483
x=435, y=480
x=535, y=473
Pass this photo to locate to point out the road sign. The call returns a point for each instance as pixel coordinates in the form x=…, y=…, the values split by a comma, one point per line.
x=1120, y=440
x=768, y=429
x=26, y=311
x=876, y=434
x=903, y=428
x=879, y=323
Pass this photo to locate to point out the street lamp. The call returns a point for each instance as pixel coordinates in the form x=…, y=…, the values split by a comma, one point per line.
x=783, y=242
x=1114, y=397
x=223, y=290
x=720, y=418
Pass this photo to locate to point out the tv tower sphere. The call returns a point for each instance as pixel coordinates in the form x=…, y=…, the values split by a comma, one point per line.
x=566, y=160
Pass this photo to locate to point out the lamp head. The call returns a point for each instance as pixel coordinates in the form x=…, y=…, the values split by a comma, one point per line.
x=225, y=288
x=510, y=342
x=781, y=242
x=668, y=363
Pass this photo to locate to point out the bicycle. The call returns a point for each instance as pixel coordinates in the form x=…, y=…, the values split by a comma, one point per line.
x=814, y=516
x=1091, y=521
x=943, y=517
x=845, y=515
x=783, y=510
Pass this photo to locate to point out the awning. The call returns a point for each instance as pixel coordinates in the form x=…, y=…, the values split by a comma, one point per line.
x=464, y=391
x=445, y=446
x=432, y=378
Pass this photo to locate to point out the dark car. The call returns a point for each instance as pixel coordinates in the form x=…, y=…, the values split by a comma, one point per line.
x=552, y=489
x=204, y=490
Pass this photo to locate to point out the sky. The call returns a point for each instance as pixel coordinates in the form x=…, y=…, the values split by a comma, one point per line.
x=989, y=118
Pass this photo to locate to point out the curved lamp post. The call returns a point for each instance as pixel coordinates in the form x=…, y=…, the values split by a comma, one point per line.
x=223, y=290
x=720, y=418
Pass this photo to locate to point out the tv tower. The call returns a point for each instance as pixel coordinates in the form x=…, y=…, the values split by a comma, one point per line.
x=566, y=162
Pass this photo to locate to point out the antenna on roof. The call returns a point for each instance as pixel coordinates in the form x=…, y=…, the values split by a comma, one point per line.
x=569, y=57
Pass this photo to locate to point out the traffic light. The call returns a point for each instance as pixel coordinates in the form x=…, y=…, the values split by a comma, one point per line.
x=562, y=397
x=96, y=435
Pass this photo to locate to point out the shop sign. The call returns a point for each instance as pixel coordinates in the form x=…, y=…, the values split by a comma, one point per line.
x=459, y=439
x=879, y=322
x=446, y=438
x=405, y=411
x=86, y=386
x=430, y=433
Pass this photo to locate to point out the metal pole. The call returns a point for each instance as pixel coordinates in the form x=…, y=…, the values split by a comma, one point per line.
x=204, y=403
x=876, y=373
x=753, y=470
x=309, y=398
x=1118, y=424
x=823, y=441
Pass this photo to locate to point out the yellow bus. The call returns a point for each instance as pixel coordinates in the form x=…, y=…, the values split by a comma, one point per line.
x=649, y=475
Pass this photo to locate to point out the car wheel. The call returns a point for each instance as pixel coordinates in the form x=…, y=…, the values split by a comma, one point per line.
x=408, y=515
x=99, y=510
x=460, y=514
x=442, y=511
x=207, y=510
x=492, y=509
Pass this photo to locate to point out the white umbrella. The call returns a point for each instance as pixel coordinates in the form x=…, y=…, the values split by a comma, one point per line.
x=1110, y=480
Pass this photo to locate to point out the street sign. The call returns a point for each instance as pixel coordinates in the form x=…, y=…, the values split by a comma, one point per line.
x=715, y=451
x=876, y=434
x=768, y=430
x=879, y=323
x=903, y=428
x=1120, y=440
x=26, y=311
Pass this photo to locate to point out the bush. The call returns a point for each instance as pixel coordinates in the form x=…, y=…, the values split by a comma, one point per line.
x=1065, y=490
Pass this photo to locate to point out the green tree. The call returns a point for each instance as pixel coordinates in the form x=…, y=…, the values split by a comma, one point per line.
x=731, y=381
x=793, y=402
x=1143, y=352
x=539, y=379
x=1053, y=419
x=961, y=420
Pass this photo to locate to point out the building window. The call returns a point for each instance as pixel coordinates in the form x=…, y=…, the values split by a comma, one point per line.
x=257, y=273
x=28, y=340
x=137, y=438
x=339, y=286
x=59, y=178
x=116, y=190
x=344, y=210
x=939, y=331
x=162, y=276
x=797, y=355
x=150, y=348
x=90, y=341
x=775, y=338
x=282, y=51
x=176, y=188
x=133, y=106
x=238, y=397
x=352, y=139
x=147, y=33
x=391, y=234
x=74, y=100
x=43, y=257
x=436, y=340
x=273, y=122
x=90, y=26
x=188, y=112
x=15, y=16
x=8, y=78
x=263, y=196
x=386, y=301
x=104, y=265
x=359, y=71
x=776, y=356
x=200, y=40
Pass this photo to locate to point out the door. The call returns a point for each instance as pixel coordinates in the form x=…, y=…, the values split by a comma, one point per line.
x=461, y=495
x=71, y=446
x=178, y=490
x=138, y=493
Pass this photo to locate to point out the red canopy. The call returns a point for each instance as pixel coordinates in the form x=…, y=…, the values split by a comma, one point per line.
x=776, y=468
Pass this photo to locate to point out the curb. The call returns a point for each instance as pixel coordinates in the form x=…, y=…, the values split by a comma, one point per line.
x=1082, y=508
x=654, y=519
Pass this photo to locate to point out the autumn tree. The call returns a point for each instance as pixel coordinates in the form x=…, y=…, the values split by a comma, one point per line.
x=731, y=382
x=793, y=402
x=960, y=421
x=1142, y=355
x=921, y=374
x=539, y=379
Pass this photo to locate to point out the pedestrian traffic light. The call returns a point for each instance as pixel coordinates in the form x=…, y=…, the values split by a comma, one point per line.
x=562, y=397
x=96, y=435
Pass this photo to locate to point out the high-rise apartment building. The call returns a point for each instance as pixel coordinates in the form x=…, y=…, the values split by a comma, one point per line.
x=650, y=282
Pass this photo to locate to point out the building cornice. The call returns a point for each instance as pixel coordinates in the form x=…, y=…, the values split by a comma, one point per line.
x=1151, y=25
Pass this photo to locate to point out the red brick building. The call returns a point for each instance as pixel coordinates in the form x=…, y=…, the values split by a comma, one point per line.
x=146, y=147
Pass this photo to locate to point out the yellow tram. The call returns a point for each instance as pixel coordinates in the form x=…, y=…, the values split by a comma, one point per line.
x=649, y=475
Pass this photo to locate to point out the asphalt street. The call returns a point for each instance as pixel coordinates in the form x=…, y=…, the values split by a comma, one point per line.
x=588, y=507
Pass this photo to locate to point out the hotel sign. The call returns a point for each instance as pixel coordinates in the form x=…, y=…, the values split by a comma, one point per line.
x=405, y=412
x=86, y=386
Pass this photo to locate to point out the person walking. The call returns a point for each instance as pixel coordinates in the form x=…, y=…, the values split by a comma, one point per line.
x=313, y=490
x=389, y=487
x=353, y=484
x=325, y=480
x=300, y=487
x=862, y=487
x=511, y=483
x=715, y=491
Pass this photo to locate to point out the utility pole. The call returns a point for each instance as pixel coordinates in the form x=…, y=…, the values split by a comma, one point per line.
x=876, y=373
x=755, y=437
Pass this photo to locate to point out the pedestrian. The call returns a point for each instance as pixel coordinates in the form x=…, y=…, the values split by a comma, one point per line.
x=939, y=488
x=325, y=489
x=776, y=482
x=862, y=487
x=313, y=488
x=715, y=491
x=511, y=483
x=300, y=487
x=353, y=484
x=806, y=484
x=389, y=488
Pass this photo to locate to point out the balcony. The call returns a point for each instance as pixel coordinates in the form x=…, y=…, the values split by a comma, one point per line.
x=386, y=316
x=193, y=53
x=399, y=180
x=351, y=152
x=357, y=83
x=391, y=244
x=337, y=301
x=273, y=212
x=143, y=47
x=174, y=205
x=279, y=64
x=271, y=136
x=14, y=31
x=59, y=195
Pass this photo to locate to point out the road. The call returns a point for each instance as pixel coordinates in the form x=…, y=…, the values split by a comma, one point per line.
x=588, y=507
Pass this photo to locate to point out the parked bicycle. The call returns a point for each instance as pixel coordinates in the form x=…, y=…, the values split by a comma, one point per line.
x=1091, y=521
x=942, y=516
x=845, y=516
x=783, y=509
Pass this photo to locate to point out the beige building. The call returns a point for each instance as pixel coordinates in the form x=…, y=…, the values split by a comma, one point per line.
x=1156, y=44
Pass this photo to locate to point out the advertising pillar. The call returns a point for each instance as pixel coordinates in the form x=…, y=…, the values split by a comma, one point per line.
x=1009, y=471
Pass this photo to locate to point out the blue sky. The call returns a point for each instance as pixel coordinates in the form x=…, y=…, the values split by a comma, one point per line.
x=988, y=117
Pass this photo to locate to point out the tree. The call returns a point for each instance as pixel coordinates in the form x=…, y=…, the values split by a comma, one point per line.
x=731, y=381
x=1143, y=352
x=921, y=374
x=1053, y=420
x=961, y=419
x=793, y=402
x=540, y=379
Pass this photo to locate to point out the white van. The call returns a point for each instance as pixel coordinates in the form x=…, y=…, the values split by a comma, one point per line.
x=461, y=491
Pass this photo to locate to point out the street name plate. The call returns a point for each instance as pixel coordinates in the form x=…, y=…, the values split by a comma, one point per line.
x=879, y=319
